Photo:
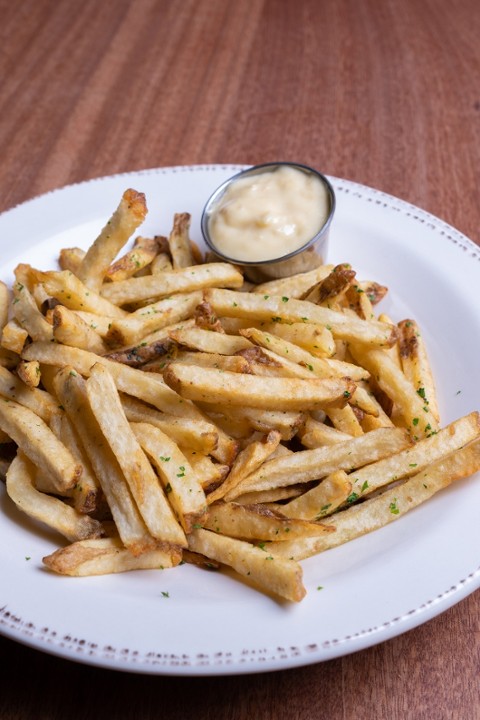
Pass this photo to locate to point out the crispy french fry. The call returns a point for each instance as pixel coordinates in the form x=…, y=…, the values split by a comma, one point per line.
x=280, y=577
x=167, y=283
x=142, y=481
x=70, y=291
x=71, y=391
x=179, y=241
x=185, y=492
x=71, y=259
x=139, y=257
x=70, y=329
x=14, y=336
x=296, y=285
x=221, y=386
x=29, y=373
x=108, y=555
x=44, y=508
x=322, y=500
x=306, y=465
x=27, y=314
x=284, y=309
x=379, y=511
x=257, y=522
x=37, y=400
x=416, y=364
x=39, y=444
x=129, y=214
x=206, y=341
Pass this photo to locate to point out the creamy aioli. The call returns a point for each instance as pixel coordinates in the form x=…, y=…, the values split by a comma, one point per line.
x=268, y=215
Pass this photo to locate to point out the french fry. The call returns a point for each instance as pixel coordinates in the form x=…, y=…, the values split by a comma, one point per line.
x=306, y=465
x=246, y=462
x=37, y=400
x=151, y=318
x=322, y=500
x=129, y=214
x=296, y=285
x=71, y=259
x=39, y=444
x=179, y=241
x=27, y=314
x=257, y=522
x=197, y=434
x=381, y=510
x=282, y=577
x=108, y=555
x=29, y=373
x=71, y=391
x=14, y=336
x=70, y=329
x=160, y=285
x=179, y=479
x=46, y=509
x=70, y=291
x=142, y=481
x=329, y=290
x=139, y=257
x=416, y=364
x=207, y=341
x=315, y=434
x=221, y=386
x=284, y=309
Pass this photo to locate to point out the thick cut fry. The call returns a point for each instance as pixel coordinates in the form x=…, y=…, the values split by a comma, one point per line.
x=142, y=254
x=315, y=339
x=27, y=314
x=210, y=474
x=412, y=406
x=129, y=214
x=390, y=505
x=345, y=420
x=315, y=434
x=14, y=336
x=257, y=522
x=44, y=508
x=39, y=401
x=167, y=283
x=151, y=318
x=281, y=577
x=284, y=309
x=417, y=457
x=329, y=290
x=246, y=462
x=321, y=367
x=142, y=481
x=39, y=444
x=29, y=373
x=179, y=479
x=71, y=292
x=179, y=241
x=70, y=329
x=86, y=493
x=108, y=555
x=71, y=259
x=416, y=364
x=206, y=341
x=234, y=363
x=322, y=500
x=306, y=465
x=217, y=386
x=196, y=434
x=71, y=391
x=296, y=285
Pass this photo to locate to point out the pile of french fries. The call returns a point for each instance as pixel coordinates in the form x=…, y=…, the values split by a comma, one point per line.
x=157, y=408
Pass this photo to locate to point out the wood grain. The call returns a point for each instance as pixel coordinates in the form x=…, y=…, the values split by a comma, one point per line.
x=383, y=93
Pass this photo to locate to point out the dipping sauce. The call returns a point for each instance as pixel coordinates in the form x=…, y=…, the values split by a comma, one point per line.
x=268, y=215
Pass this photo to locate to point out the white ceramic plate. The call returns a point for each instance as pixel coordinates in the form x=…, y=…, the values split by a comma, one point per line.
x=189, y=622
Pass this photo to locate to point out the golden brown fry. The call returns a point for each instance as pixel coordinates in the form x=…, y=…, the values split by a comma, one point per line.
x=27, y=314
x=167, y=283
x=39, y=401
x=181, y=484
x=129, y=214
x=206, y=341
x=70, y=329
x=220, y=386
x=306, y=465
x=246, y=462
x=272, y=308
x=109, y=555
x=142, y=481
x=179, y=242
x=71, y=391
x=257, y=522
x=281, y=577
x=322, y=500
x=416, y=364
x=39, y=444
x=71, y=292
x=14, y=336
x=48, y=510
x=139, y=257
x=29, y=373
x=71, y=259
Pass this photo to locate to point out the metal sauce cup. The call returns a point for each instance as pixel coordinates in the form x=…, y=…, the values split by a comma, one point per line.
x=309, y=256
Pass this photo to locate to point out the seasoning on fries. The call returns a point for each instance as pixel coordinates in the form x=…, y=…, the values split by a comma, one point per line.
x=163, y=410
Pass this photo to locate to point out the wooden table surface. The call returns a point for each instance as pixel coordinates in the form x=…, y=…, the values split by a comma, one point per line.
x=385, y=93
